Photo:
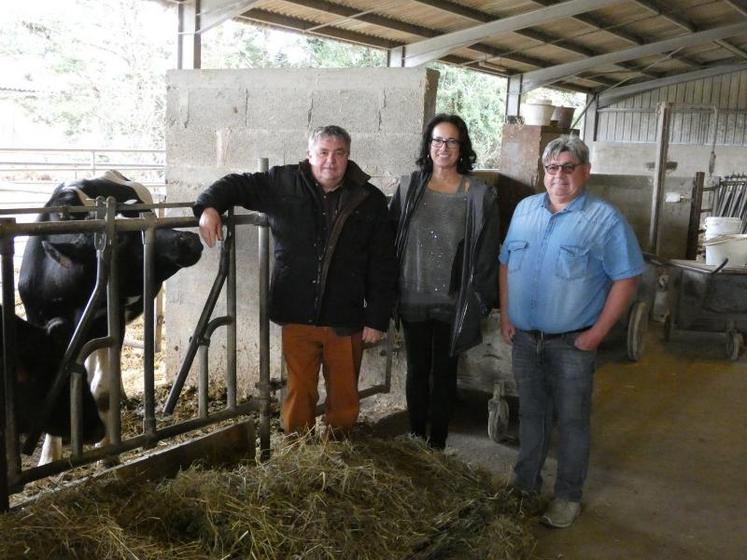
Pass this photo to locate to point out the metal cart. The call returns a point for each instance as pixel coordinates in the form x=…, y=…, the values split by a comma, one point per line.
x=707, y=298
x=635, y=320
x=487, y=367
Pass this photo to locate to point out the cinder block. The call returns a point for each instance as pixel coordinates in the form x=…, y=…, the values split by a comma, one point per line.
x=386, y=154
x=219, y=108
x=177, y=107
x=356, y=110
x=191, y=146
x=239, y=148
x=270, y=108
x=401, y=111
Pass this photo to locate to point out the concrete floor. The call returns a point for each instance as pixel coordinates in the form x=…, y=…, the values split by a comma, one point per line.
x=668, y=475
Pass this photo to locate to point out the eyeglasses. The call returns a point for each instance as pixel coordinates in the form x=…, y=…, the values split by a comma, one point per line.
x=450, y=143
x=566, y=168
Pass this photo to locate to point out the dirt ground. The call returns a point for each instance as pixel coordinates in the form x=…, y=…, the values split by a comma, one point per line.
x=667, y=479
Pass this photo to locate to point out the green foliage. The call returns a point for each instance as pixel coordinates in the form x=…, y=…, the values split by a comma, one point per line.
x=332, y=54
x=235, y=46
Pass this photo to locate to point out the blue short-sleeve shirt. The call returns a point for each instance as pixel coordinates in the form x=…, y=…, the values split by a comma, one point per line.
x=561, y=266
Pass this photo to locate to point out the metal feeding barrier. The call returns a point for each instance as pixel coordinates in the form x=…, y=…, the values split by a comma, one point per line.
x=105, y=226
x=730, y=199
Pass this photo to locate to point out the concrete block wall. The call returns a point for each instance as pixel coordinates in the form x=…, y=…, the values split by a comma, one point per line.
x=222, y=121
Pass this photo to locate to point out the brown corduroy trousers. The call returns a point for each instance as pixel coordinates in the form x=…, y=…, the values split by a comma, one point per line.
x=306, y=348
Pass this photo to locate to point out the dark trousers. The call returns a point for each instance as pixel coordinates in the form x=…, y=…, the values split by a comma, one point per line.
x=431, y=379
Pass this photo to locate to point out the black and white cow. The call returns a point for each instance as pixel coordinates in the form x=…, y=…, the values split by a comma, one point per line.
x=39, y=353
x=58, y=272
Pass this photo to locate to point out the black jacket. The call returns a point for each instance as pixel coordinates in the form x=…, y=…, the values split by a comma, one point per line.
x=344, y=278
x=477, y=273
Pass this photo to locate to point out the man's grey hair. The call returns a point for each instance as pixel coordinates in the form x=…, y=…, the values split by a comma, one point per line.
x=571, y=144
x=327, y=131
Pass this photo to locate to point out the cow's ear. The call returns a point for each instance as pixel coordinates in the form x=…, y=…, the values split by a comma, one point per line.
x=67, y=249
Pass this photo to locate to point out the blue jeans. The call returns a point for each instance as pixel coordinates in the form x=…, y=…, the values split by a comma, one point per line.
x=555, y=381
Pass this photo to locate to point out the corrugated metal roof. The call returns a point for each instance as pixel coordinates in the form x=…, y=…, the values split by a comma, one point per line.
x=595, y=29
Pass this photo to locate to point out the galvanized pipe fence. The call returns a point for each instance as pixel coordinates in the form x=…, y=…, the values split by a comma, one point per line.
x=105, y=227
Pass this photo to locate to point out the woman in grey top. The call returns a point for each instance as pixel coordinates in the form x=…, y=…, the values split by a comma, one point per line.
x=447, y=245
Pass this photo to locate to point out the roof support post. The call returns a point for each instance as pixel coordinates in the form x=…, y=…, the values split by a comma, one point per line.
x=591, y=118
x=660, y=173
x=189, y=42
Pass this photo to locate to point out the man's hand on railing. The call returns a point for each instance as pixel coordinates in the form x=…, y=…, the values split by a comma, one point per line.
x=211, y=226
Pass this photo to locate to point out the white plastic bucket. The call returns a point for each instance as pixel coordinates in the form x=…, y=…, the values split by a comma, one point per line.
x=537, y=113
x=732, y=247
x=563, y=116
x=717, y=225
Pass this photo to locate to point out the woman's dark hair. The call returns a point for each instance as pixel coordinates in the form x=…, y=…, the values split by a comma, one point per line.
x=467, y=155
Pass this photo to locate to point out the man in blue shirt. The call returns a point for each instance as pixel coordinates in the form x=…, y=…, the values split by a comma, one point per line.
x=569, y=268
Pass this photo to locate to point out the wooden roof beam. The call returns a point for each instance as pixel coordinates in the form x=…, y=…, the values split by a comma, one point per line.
x=602, y=25
x=424, y=51
x=373, y=19
x=545, y=76
x=679, y=21
x=296, y=24
x=390, y=23
x=535, y=35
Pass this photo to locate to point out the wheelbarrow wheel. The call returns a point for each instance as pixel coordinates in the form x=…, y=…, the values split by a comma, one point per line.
x=498, y=413
x=734, y=343
x=637, y=327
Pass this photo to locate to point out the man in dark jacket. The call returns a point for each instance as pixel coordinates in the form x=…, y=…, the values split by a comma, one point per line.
x=334, y=277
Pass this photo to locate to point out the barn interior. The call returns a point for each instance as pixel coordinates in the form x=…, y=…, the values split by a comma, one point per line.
x=665, y=85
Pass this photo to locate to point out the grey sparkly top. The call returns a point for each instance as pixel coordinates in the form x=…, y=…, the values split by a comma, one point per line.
x=435, y=231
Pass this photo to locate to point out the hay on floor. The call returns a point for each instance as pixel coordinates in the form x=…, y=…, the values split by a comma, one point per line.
x=315, y=499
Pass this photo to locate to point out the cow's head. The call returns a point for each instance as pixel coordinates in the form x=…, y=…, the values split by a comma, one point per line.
x=173, y=249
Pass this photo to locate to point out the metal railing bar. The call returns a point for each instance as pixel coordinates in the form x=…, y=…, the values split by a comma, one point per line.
x=202, y=323
x=122, y=224
x=98, y=453
x=103, y=253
